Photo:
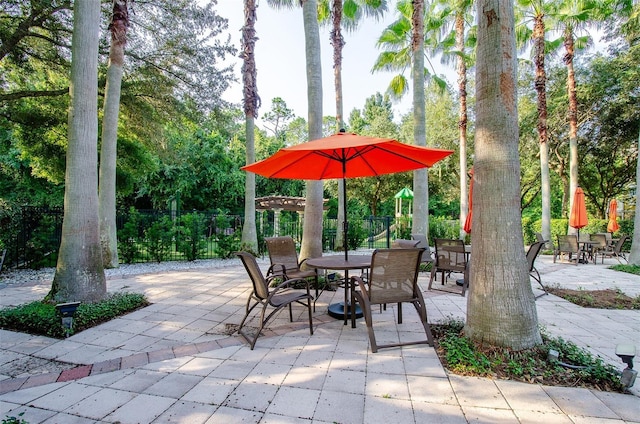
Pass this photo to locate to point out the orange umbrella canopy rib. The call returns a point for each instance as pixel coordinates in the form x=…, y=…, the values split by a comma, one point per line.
x=578, y=218
x=346, y=155
x=613, y=226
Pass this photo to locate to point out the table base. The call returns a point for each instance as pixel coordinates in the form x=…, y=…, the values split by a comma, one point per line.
x=336, y=310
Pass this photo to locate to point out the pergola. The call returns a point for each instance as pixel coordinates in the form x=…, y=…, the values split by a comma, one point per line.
x=277, y=204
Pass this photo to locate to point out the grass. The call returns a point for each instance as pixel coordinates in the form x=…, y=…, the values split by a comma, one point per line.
x=631, y=269
x=42, y=318
x=461, y=355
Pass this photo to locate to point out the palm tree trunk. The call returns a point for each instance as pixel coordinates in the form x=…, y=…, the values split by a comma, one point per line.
x=541, y=89
x=311, y=246
x=337, y=41
x=462, y=119
x=108, y=151
x=634, y=256
x=251, y=105
x=501, y=307
x=573, y=117
x=420, y=221
x=79, y=273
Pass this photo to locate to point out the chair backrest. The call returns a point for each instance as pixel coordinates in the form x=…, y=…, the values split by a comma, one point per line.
x=584, y=237
x=260, y=286
x=568, y=243
x=450, y=255
x=404, y=244
x=282, y=250
x=394, y=275
x=600, y=240
x=618, y=247
x=533, y=252
x=540, y=237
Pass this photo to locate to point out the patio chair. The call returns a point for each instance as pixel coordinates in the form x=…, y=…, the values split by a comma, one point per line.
x=276, y=297
x=599, y=246
x=616, y=251
x=422, y=243
x=540, y=237
x=532, y=254
x=567, y=245
x=450, y=257
x=393, y=279
x=285, y=263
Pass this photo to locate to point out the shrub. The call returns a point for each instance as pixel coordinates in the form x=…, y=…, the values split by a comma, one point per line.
x=128, y=237
x=190, y=239
x=159, y=238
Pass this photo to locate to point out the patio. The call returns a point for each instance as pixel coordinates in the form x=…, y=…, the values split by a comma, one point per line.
x=176, y=361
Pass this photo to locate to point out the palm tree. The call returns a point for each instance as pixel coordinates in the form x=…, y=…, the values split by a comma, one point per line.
x=348, y=15
x=251, y=102
x=533, y=11
x=108, y=150
x=79, y=273
x=501, y=307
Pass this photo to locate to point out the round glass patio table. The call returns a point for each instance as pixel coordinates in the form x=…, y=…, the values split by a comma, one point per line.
x=339, y=263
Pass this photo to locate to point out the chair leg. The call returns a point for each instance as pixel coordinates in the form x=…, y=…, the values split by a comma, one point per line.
x=399, y=312
x=366, y=311
x=422, y=312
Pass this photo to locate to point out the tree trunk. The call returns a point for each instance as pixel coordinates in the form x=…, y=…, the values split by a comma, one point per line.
x=461, y=67
x=420, y=220
x=337, y=41
x=634, y=256
x=311, y=246
x=108, y=151
x=573, y=118
x=251, y=105
x=541, y=89
x=79, y=273
x=501, y=307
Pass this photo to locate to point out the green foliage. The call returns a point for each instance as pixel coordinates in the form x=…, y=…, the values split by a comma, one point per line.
x=14, y=420
x=631, y=269
x=159, y=238
x=42, y=242
x=128, y=237
x=461, y=355
x=356, y=233
x=190, y=240
x=42, y=318
x=440, y=227
x=228, y=244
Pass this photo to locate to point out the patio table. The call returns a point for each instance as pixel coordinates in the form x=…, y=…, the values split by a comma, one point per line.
x=338, y=262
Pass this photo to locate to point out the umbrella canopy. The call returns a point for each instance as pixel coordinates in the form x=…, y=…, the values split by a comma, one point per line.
x=613, y=226
x=467, y=222
x=346, y=155
x=578, y=217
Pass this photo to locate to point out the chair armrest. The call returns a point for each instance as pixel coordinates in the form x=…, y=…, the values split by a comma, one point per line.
x=273, y=269
x=361, y=284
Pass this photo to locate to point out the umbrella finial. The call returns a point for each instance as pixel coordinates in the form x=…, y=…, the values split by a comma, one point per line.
x=342, y=130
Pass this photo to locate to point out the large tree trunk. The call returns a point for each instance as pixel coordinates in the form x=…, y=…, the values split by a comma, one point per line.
x=634, y=256
x=420, y=220
x=461, y=67
x=501, y=307
x=251, y=105
x=541, y=89
x=337, y=41
x=573, y=118
x=108, y=151
x=79, y=273
x=311, y=246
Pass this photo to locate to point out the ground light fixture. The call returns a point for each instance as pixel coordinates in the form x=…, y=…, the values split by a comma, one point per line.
x=626, y=352
x=67, y=310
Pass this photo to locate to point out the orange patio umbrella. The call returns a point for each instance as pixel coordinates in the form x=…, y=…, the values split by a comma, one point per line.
x=613, y=226
x=346, y=155
x=467, y=222
x=578, y=218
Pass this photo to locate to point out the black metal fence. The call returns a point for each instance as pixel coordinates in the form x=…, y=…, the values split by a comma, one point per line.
x=165, y=235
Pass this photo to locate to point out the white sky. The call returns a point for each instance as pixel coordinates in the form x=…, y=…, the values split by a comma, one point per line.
x=280, y=60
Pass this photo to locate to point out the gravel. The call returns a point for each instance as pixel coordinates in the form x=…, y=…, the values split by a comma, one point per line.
x=45, y=275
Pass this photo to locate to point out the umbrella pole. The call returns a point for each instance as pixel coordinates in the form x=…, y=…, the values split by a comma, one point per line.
x=345, y=224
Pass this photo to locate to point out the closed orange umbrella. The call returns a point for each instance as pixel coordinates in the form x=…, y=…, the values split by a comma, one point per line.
x=613, y=226
x=467, y=222
x=578, y=218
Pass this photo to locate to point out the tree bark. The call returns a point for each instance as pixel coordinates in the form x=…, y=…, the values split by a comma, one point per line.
x=311, y=246
x=634, y=256
x=79, y=273
x=461, y=68
x=251, y=105
x=109, y=146
x=420, y=220
x=573, y=118
x=337, y=41
x=501, y=307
